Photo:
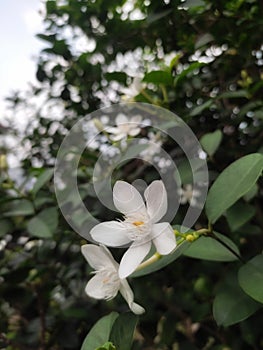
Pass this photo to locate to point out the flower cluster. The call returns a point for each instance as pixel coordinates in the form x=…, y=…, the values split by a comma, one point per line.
x=139, y=229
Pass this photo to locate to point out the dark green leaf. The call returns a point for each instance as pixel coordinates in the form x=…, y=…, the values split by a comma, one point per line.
x=231, y=304
x=236, y=180
x=211, y=141
x=44, y=224
x=158, y=77
x=250, y=278
x=192, y=67
x=123, y=330
x=44, y=177
x=234, y=94
x=121, y=77
x=5, y=227
x=239, y=214
x=153, y=17
x=100, y=332
x=199, y=109
x=20, y=207
x=203, y=40
x=208, y=248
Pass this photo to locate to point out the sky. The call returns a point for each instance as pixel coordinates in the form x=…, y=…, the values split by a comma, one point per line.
x=19, y=23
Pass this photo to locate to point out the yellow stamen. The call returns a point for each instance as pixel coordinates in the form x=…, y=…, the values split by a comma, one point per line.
x=138, y=223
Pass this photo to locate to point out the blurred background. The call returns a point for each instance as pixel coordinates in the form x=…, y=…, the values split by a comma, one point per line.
x=64, y=59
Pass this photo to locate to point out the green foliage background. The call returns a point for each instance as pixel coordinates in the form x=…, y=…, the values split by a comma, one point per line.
x=213, y=81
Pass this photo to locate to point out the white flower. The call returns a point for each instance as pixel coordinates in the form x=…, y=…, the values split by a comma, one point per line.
x=154, y=146
x=125, y=127
x=189, y=195
x=139, y=226
x=133, y=90
x=106, y=283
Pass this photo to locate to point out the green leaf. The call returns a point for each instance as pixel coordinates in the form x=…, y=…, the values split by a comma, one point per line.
x=234, y=94
x=100, y=332
x=239, y=214
x=211, y=141
x=250, y=278
x=116, y=76
x=153, y=17
x=193, y=3
x=231, y=304
x=236, y=180
x=20, y=207
x=208, y=248
x=251, y=193
x=5, y=227
x=163, y=261
x=193, y=67
x=123, y=330
x=42, y=180
x=199, y=109
x=44, y=224
x=203, y=40
x=158, y=77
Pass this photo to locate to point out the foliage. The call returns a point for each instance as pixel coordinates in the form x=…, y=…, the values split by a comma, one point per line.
x=203, y=61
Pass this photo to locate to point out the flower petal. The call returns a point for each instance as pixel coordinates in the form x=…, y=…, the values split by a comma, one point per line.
x=112, y=130
x=136, y=119
x=98, y=257
x=119, y=136
x=96, y=289
x=121, y=119
x=133, y=257
x=127, y=199
x=127, y=294
x=134, y=131
x=110, y=233
x=156, y=200
x=163, y=238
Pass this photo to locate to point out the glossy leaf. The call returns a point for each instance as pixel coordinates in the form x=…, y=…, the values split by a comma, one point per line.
x=20, y=207
x=250, y=278
x=100, y=332
x=236, y=180
x=208, y=248
x=239, y=214
x=44, y=224
x=42, y=180
x=199, y=109
x=123, y=330
x=211, y=141
x=231, y=304
x=158, y=77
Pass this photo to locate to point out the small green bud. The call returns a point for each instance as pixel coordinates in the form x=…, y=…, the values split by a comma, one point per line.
x=3, y=162
x=98, y=124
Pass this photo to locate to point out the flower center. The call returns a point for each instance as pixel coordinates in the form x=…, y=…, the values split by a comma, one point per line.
x=110, y=281
x=138, y=226
x=138, y=223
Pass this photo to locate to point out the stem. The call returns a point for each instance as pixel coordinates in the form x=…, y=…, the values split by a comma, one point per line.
x=164, y=92
x=155, y=257
x=148, y=97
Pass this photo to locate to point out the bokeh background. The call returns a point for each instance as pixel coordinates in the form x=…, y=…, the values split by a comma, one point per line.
x=64, y=59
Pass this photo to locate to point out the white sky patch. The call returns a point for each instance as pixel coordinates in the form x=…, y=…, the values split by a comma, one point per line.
x=32, y=20
x=20, y=21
